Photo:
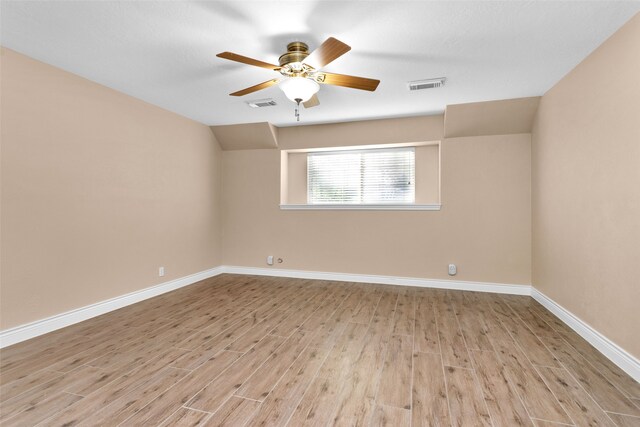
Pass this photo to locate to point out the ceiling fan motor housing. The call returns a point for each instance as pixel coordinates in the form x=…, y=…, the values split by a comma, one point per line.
x=296, y=52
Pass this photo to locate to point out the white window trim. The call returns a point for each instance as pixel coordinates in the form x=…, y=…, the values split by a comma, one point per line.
x=355, y=207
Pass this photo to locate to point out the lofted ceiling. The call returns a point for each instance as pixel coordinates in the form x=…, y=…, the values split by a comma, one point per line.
x=163, y=52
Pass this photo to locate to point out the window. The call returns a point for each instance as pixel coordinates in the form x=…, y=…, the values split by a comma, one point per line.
x=385, y=176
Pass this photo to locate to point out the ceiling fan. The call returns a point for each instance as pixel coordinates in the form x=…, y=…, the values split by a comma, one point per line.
x=301, y=72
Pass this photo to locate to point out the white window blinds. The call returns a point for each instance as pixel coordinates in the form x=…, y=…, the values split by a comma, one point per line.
x=361, y=177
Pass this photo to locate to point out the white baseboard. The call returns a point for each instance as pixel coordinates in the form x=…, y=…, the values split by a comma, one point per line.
x=498, y=288
x=604, y=345
x=40, y=327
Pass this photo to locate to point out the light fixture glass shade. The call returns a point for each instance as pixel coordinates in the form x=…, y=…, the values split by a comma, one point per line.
x=299, y=88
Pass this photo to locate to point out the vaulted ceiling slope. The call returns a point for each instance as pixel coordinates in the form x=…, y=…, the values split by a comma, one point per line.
x=164, y=52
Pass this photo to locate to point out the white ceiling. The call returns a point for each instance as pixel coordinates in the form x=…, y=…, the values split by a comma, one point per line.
x=163, y=52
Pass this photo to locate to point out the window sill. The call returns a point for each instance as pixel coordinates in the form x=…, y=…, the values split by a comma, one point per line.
x=434, y=207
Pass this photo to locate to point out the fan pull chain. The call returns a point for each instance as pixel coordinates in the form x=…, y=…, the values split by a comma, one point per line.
x=297, y=113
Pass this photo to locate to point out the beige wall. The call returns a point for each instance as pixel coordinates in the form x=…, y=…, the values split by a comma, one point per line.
x=502, y=117
x=294, y=192
x=484, y=224
x=586, y=190
x=383, y=131
x=98, y=191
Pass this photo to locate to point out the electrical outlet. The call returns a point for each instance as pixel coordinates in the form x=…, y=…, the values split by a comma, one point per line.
x=452, y=269
x=270, y=260
x=161, y=271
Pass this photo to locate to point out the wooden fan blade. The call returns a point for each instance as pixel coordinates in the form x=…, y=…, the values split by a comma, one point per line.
x=353, y=82
x=312, y=102
x=328, y=51
x=246, y=60
x=255, y=88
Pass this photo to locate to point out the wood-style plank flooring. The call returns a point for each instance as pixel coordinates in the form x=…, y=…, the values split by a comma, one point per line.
x=243, y=350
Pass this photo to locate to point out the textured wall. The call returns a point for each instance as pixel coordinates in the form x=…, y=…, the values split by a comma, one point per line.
x=98, y=190
x=586, y=189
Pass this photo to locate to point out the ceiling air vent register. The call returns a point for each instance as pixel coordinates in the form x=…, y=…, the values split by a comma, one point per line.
x=259, y=103
x=427, y=84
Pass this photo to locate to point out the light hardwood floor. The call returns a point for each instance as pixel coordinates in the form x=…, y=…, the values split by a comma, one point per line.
x=242, y=350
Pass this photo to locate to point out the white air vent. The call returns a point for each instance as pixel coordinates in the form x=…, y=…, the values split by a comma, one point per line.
x=259, y=103
x=427, y=84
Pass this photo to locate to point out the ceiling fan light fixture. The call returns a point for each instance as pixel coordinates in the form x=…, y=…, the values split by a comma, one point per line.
x=299, y=88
